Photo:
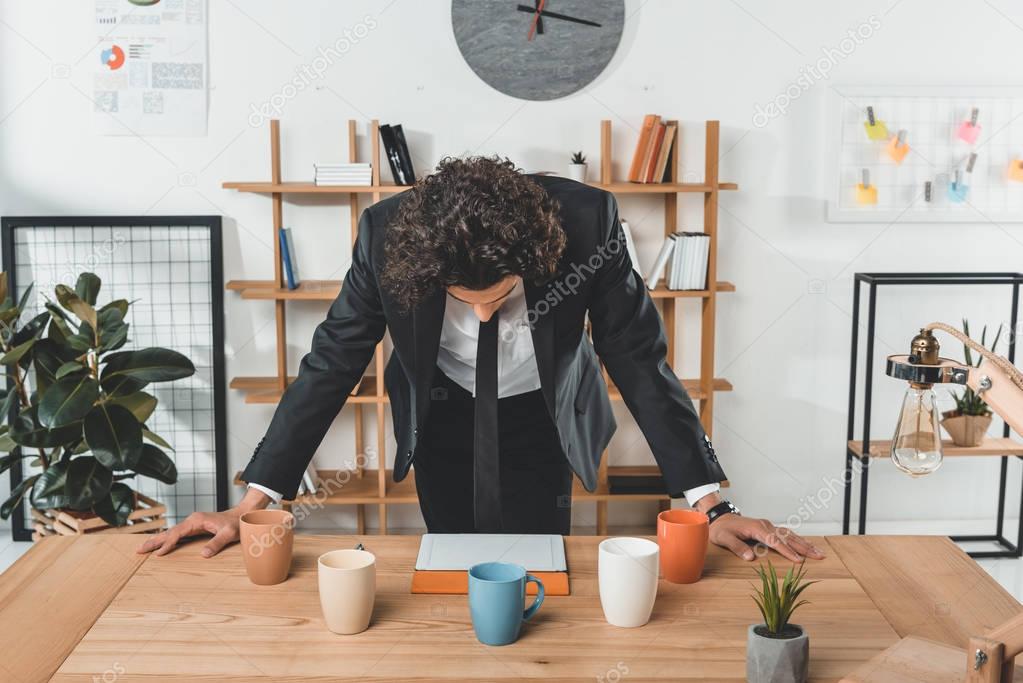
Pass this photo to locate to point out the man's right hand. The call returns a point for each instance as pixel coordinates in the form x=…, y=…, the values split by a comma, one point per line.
x=222, y=525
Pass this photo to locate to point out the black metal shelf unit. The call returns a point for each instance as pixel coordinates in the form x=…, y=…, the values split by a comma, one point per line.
x=872, y=281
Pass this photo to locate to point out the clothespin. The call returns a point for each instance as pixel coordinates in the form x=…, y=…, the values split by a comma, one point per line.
x=866, y=194
x=927, y=191
x=876, y=130
x=897, y=147
x=969, y=131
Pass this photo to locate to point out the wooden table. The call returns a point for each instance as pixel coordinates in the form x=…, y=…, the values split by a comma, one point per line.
x=89, y=608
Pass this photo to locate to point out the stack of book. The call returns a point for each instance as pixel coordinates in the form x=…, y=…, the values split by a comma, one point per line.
x=682, y=262
x=343, y=174
x=310, y=481
x=650, y=162
x=398, y=157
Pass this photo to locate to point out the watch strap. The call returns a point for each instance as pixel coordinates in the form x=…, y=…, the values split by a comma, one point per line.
x=725, y=507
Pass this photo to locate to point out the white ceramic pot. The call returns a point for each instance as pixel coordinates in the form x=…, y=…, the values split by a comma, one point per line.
x=627, y=570
x=577, y=172
x=348, y=580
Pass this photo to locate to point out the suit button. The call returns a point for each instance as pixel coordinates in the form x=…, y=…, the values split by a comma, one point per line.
x=408, y=456
x=415, y=431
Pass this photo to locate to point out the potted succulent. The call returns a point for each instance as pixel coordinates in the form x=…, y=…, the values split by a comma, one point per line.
x=969, y=422
x=778, y=651
x=76, y=408
x=577, y=167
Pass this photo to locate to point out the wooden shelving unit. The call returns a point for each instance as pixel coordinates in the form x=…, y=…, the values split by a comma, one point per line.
x=1003, y=446
x=364, y=487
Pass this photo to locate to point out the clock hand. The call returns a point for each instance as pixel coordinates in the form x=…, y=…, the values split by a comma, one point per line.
x=539, y=21
x=555, y=15
x=538, y=10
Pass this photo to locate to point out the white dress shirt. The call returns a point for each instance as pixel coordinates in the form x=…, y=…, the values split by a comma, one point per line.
x=516, y=360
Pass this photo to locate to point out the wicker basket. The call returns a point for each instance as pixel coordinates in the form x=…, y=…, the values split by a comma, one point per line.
x=148, y=516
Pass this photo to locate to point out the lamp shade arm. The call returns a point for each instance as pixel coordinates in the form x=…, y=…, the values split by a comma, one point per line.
x=1000, y=393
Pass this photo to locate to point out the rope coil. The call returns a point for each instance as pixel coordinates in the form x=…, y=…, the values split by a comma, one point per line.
x=1001, y=363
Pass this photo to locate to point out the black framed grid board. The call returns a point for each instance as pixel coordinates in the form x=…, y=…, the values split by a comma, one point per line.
x=171, y=268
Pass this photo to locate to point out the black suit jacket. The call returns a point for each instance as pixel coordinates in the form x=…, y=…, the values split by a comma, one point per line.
x=595, y=277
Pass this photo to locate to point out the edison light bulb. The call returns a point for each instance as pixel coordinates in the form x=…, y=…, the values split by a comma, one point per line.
x=916, y=446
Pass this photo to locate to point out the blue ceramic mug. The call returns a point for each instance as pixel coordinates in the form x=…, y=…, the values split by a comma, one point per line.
x=497, y=601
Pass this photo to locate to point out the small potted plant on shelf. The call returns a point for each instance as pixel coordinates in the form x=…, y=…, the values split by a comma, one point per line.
x=76, y=412
x=778, y=651
x=577, y=167
x=969, y=422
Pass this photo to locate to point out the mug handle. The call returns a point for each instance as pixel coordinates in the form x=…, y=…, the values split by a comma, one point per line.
x=539, y=597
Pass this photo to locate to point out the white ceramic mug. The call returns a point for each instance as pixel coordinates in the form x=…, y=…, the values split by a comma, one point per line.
x=348, y=585
x=627, y=570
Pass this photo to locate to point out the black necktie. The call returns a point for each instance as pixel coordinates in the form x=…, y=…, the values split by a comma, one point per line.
x=486, y=464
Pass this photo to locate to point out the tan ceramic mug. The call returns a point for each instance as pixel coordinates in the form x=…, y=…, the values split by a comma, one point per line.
x=267, y=538
x=348, y=586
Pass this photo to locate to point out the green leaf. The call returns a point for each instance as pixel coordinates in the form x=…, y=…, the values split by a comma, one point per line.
x=121, y=385
x=69, y=368
x=15, y=354
x=7, y=461
x=58, y=331
x=8, y=507
x=155, y=463
x=87, y=288
x=157, y=439
x=23, y=301
x=68, y=400
x=3, y=286
x=148, y=365
x=114, y=339
x=72, y=302
x=26, y=431
x=79, y=342
x=114, y=436
x=50, y=490
x=140, y=404
x=87, y=481
x=119, y=304
x=31, y=330
x=7, y=444
x=115, y=508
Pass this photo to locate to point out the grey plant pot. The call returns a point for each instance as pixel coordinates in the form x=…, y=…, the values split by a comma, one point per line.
x=777, y=660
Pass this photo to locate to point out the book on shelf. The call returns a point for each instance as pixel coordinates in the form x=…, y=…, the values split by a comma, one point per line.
x=310, y=482
x=653, y=154
x=288, y=258
x=630, y=244
x=396, y=151
x=353, y=173
x=645, y=134
x=682, y=262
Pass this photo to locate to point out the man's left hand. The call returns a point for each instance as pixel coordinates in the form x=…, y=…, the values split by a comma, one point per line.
x=732, y=531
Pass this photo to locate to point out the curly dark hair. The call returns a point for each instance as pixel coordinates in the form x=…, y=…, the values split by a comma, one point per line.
x=471, y=223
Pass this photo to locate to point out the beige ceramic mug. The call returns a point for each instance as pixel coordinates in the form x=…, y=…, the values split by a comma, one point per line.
x=267, y=538
x=348, y=584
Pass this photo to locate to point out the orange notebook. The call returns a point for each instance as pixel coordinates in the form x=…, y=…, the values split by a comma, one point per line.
x=638, y=169
x=457, y=583
x=653, y=153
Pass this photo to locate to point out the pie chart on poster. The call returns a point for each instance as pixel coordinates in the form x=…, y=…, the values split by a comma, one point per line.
x=113, y=57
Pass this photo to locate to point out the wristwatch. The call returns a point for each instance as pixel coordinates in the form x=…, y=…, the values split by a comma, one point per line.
x=723, y=508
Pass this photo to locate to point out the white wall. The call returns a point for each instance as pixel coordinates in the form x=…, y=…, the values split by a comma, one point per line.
x=783, y=336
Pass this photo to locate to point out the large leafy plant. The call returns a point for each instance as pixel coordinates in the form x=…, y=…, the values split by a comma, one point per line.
x=778, y=602
x=76, y=406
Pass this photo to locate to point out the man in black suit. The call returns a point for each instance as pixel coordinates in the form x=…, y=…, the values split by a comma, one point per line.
x=485, y=278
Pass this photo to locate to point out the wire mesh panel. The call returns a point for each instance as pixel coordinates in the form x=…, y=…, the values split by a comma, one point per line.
x=170, y=268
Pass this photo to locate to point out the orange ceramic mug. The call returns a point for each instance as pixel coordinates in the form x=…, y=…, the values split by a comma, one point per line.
x=267, y=538
x=682, y=536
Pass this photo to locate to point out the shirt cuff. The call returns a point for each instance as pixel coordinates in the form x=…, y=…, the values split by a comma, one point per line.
x=276, y=497
x=692, y=495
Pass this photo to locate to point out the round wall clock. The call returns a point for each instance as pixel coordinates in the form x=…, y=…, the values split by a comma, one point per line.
x=537, y=49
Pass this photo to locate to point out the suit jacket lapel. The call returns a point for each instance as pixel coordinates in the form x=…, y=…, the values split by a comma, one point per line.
x=427, y=320
x=542, y=331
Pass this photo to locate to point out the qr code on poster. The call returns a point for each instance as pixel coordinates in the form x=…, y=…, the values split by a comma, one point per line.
x=152, y=102
x=105, y=100
x=177, y=76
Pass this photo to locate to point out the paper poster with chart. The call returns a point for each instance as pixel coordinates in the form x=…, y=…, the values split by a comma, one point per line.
x=925, y=154
x=150, y=68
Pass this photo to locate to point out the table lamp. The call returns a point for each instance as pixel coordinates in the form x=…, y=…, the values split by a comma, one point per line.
x=916, y=446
